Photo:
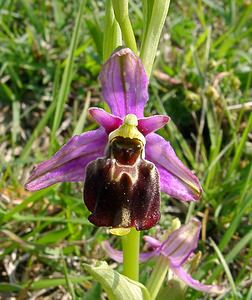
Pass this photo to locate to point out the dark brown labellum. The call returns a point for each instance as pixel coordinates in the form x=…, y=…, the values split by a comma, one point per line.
x=122, y=190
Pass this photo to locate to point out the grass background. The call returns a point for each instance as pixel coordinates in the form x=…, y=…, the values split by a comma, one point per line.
x=49, y=63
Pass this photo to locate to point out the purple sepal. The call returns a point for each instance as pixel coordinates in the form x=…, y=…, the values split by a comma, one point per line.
x=69, y=162
x=176, y=179
x=124, y=83
x=195, y=284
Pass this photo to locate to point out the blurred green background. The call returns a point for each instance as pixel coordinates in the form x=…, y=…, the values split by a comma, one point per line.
x=201, y=79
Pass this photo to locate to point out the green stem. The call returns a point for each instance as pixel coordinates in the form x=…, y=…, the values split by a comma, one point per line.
x=128, y=34
x=157, y=276
x=131, y=245
x=122, y=17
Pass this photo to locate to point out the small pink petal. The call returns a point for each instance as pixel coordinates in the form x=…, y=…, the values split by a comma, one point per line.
x=151, y=124
x=108, y=121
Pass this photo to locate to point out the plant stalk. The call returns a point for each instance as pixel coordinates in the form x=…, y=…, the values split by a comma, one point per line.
x=131, y=246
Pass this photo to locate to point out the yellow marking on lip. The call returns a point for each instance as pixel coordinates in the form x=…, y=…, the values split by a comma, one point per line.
x=120, y=231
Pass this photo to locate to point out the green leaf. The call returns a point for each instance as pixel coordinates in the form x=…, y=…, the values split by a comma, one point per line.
x=112, y=37
x=9, y=288
x=117, y=286
x=152, y=35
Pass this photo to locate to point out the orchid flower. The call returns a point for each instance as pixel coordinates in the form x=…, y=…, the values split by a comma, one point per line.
x=123, y=164
x=177, y=248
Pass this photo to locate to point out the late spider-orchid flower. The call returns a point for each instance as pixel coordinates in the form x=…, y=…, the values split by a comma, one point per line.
x=177, y=248
x=124, y=164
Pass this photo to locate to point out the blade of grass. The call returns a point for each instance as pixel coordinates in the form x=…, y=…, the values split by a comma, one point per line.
x=54, y=282
x=38, y=129
x=17, y=239
x=82, y=120
x=147, y=11
x=31, y=218
x=151, y=39
x=33, y=18
x=215, y=161
x=31, y=199
x=233, y=10
x=42, y=123
x=244, y=202
x=9, y=288
x=68, y=73
x=59, y=16
x=214, y=152
x=249, y=297
x=15, y=121
x=112, y=37
x=225, y=266
x=68, y=281
x=241, y=145
x=232, y=254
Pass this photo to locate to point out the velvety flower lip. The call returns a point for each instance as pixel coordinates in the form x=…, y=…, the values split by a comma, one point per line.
x=124, y=86
x=177, y=248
